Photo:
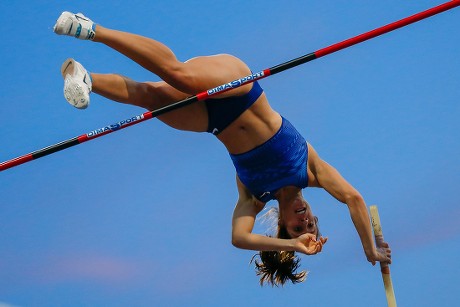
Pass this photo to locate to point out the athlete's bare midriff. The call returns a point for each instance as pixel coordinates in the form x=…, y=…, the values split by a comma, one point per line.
x=253, y=128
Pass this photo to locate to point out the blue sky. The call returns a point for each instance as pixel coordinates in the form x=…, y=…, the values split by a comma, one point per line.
x=142, y=217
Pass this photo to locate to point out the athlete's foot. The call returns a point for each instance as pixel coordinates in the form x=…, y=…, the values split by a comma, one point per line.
x=77, y=83
x=76, y=25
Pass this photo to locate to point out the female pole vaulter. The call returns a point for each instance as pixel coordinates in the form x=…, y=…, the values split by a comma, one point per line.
x=272, y=159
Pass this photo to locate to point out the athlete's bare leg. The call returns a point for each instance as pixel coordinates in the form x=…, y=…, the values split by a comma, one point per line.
x=191, y=77
x=152, y=96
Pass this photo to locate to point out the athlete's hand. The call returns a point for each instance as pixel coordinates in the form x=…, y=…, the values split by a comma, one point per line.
x=308, y=244
x=381, y=254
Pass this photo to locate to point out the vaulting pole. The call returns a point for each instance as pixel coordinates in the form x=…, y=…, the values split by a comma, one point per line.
x=384, y=267
x=228, y=86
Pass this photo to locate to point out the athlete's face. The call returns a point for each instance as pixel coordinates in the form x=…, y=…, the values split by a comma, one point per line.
x=298, y=219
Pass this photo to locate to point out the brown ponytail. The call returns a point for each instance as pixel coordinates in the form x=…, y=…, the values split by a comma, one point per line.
x=277, y=267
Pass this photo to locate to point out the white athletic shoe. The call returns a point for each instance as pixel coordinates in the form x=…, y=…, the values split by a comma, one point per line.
x=76, y=25
x=77, y=84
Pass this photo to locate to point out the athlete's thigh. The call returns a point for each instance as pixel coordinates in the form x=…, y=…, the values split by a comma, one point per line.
x=207, y=72
x=193, y=117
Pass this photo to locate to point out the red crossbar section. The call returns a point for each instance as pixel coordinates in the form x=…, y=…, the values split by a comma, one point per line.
x=387, y=28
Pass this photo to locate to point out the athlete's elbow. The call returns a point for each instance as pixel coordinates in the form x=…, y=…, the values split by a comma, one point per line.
x=238, y=241
x=353, y=198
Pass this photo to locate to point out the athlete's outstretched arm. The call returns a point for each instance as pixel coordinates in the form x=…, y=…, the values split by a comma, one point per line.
x=327, y=177
x=243, y=221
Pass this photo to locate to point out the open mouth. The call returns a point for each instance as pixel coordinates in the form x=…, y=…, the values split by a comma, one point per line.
x=301, y=211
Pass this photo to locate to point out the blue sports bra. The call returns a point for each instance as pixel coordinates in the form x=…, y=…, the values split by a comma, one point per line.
x=279, y=162
x=224, y=111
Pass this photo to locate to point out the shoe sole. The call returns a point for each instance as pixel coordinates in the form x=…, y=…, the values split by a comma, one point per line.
x=72, y=88
x=75, y=90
